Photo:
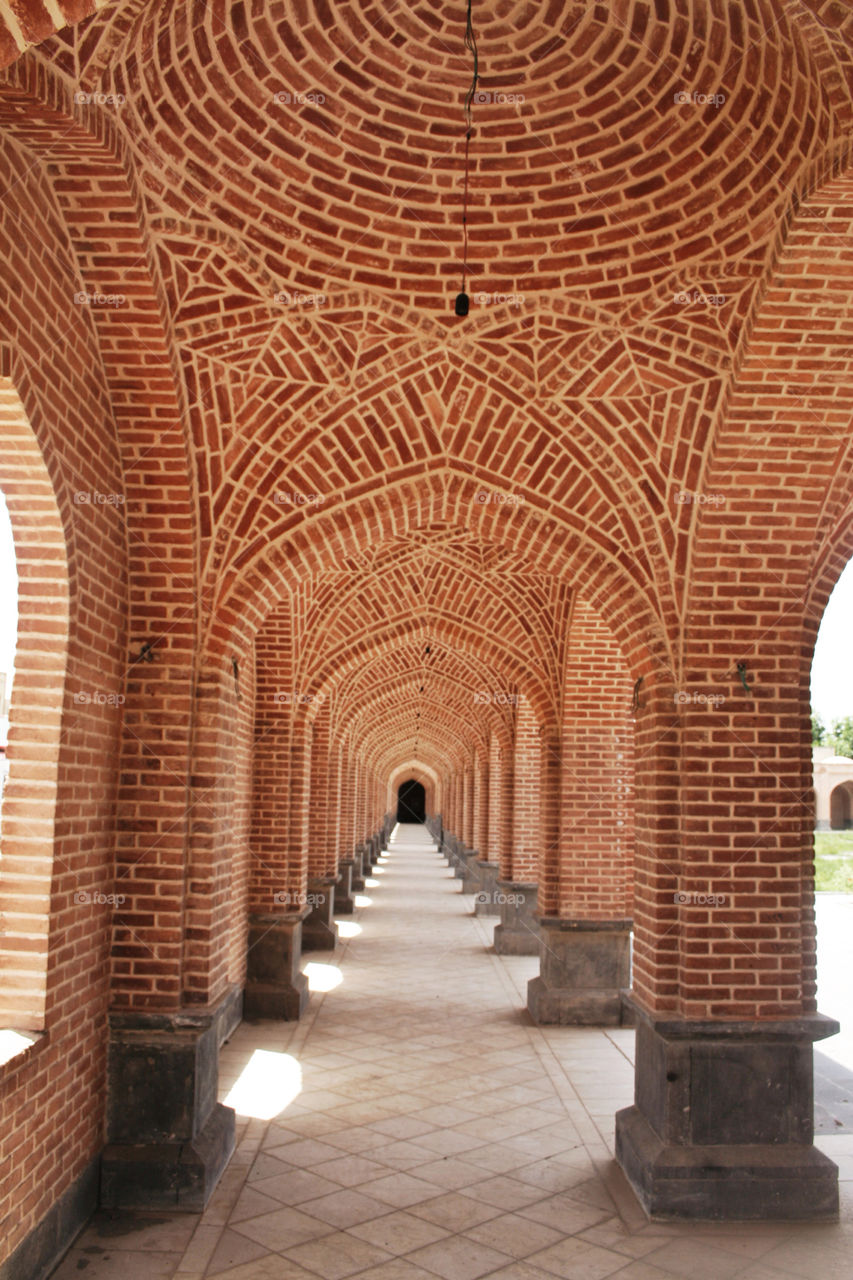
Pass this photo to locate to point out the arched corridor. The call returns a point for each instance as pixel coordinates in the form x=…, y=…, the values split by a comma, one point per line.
x=296, y=533
x=432, y=1129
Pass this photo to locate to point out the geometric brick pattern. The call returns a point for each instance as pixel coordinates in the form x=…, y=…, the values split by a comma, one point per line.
x=365, y=540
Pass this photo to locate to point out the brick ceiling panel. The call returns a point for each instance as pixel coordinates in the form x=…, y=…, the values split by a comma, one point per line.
x=648, y=286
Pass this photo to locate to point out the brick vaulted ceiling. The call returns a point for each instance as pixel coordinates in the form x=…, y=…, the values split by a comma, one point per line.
x=398, y=473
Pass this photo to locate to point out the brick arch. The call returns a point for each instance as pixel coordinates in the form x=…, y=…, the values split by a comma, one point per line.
x=402, y=668
x=781, y=484
x=30, y=22
x=146, y=405
x=788, y=421
x=566, y=63
x=422, y=773
x=603, y=572
x=36, y=716
x=484, y=656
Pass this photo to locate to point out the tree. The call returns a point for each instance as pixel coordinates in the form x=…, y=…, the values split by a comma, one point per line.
x=840, y=736
x=818, y=731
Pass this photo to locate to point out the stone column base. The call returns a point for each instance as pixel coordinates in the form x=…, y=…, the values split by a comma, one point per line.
x=722, y=1125
x=358, y=869
x=584, y=967
x=518, y=932
x=344, y=891
x=319, y=931
x=168, y=1139
x=275, y=987
x=466, y=869
x=486, y=889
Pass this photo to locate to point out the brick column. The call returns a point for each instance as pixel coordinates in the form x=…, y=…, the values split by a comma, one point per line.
x=585, y=894
x=722, y=1122
x=319, y=932
x=275, y=987
x=517, y=883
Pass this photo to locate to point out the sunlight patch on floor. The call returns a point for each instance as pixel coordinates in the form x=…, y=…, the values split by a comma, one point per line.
x=267, y=1085
x=323, y=977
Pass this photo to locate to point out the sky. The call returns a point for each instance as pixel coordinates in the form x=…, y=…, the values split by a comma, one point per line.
x=832, y=670
x=832, y=667
x=8, y=592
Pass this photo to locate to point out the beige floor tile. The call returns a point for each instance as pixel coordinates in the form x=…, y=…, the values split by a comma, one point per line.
x=399, y=1232
x=578, y=1260
x=345, y=1208
x=514, y=1235
x=337, y=1256
x=458, y=1258
x=283, y=1228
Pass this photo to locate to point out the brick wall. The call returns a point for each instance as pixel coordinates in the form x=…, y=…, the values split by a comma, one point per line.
x=59, y=814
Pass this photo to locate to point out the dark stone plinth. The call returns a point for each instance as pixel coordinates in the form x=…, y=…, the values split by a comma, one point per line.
x=358, y=872
x=486, y=889
x=275, y=987
x=168, y=1139
x=584, y=967
x=466, y=869
x=344, y=889
x=518, y=932
x=722, y=1122
x=319, y=931
x=434, y=827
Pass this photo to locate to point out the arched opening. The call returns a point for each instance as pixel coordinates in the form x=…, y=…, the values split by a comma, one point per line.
x=37, y=649
x=411, y=801
x=841, y=807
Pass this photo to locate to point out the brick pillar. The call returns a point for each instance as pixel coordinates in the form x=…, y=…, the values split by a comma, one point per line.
x=585, y=898
x=275, y=987
x=468, y=806
x=319, y=932
x=516, y=887
x=722, y=1122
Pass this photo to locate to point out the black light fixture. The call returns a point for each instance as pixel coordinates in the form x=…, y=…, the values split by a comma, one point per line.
x=462, y=300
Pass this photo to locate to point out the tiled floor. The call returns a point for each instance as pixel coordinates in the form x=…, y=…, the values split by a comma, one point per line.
x=430, y=1130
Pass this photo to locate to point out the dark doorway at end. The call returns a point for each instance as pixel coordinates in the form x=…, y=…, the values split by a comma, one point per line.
x=411, y=802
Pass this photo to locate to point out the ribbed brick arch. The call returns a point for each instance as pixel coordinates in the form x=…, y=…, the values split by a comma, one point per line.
x=397, y=652
x=460, y=681
x=342, y=536
x=426, y=723
x=422, y=773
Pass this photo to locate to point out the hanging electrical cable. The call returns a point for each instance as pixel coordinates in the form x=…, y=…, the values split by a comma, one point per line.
x=462, y=299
